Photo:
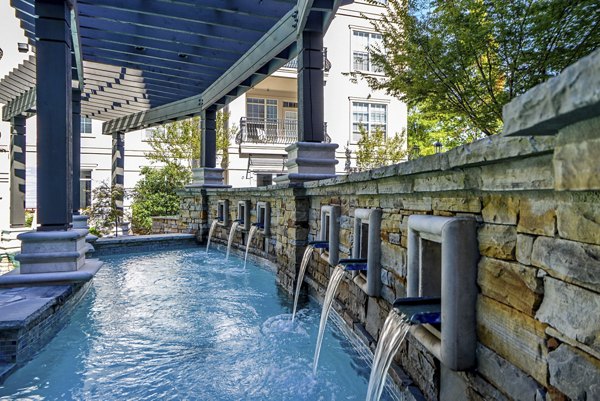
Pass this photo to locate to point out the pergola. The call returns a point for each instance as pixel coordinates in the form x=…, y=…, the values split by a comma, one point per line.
x=138, y=63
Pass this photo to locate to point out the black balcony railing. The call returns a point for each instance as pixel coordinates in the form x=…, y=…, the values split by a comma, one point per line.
x=270, y=131
x=293, y=63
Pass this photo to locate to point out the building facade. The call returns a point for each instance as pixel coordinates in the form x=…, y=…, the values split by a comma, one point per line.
x=266, y=116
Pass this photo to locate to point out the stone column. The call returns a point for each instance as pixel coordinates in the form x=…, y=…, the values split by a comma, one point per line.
x=208, y=175
x=17, y=172
x=54, y=118
x=310, y=158
x=76, y=107
x=118, y=164
x=54, y=247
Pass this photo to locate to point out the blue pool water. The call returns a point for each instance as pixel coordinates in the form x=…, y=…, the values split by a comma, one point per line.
x=182, y=325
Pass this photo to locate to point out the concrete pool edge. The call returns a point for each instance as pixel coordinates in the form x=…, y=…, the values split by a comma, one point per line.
x=25, y=331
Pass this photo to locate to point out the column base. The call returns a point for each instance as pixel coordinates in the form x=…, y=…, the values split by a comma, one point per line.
x=207, y=177
x=309, y=161
x=80, y=222
x=52, y=251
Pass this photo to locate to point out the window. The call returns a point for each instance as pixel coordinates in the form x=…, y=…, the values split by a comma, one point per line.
x=261, y=108
x=261, y=115
x=361, y=42
x=86, y=125
x=370, y=115
x=85, y=189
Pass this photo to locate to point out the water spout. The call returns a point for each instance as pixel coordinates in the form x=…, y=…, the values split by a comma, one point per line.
x=334, y=282
x=354, y=264
x=211, y=232
x=392, y=335
x=234, y=227
x=406, y=312
x=250, y=235
x=303, y=265
x=319, y=244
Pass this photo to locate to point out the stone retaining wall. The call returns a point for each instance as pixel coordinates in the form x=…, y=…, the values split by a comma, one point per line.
x=537, y=203
x=166, y=225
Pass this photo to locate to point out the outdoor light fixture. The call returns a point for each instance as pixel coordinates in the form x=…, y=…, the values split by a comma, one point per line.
x=415, y=151
x=23, y=47
x=438, y=146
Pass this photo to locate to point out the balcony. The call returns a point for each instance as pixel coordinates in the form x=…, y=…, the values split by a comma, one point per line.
x=293, y=63
x=259, y=131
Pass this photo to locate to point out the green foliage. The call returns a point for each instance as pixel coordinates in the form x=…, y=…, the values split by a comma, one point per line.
x=106, y=210
x=176, y=144
x=224, y=135
x=465, y=59
x=375, y=150
x=29, y=214
x=426, y=127
x=175, y=147
x=154, y=195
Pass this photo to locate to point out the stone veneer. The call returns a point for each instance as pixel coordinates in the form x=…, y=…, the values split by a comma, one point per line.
x=537, y=204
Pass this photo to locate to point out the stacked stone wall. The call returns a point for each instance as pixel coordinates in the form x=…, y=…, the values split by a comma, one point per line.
x=536, y=200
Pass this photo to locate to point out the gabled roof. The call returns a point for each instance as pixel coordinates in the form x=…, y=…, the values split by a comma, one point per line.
x=145, y=62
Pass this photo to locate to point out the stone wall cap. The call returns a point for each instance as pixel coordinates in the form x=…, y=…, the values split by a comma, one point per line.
x=312, y=145
x=14, y=278
x=50, y=236
x=570, y=97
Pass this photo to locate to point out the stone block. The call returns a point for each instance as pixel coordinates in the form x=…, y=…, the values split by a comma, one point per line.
x=500, y=209
x=576, y=166
x=394, y=238
x=512, y=284
x=450, y=181
x=497, y=241
x=396, y=185
x=575, y=374
x=524, y=248
x=504, y=375
x=421, y=203
x=568, y=260
x=518, y=175
x=579, y=221
x=457, y=204
x=572, y=311
x=514, y=336
x=376, y=315
x=537, y=216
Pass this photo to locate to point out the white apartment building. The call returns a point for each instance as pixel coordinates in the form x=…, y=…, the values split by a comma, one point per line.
x=265, y=117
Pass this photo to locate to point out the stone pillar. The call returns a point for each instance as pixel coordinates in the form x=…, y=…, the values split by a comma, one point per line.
x=310, y=88
x=17, y=172
x=118, y=164
x=54, y=118
x=76, y=106
x=208, y=175
x=54, y=247
x=310, y=158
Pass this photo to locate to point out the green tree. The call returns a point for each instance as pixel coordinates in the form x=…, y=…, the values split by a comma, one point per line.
x=176, y=144
x=106, y=209
x=375, y=150
x=426, y=127
x=174, y=148
x=467, y=58
x=224, y=135
x=154, y=195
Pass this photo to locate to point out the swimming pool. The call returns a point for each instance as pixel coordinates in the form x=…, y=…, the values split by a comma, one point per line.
x=183, y=325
